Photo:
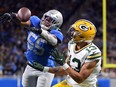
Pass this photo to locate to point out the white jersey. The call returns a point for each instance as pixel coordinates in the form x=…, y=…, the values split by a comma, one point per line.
x=77, y=58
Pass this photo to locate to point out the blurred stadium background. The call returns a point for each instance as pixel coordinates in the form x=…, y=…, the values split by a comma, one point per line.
x=13, y=38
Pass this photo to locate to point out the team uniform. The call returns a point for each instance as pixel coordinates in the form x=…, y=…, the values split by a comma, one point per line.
x=38, y=51
x=86, y=54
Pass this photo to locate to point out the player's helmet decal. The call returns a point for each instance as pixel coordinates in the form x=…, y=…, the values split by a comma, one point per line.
x=83, y=27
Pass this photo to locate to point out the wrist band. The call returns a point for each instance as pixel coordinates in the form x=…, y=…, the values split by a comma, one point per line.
x=46, y=69
x=65, y=66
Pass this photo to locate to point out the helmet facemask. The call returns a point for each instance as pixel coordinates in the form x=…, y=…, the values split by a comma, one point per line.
x=47, y=22
x=50, y=19
x=75, y=35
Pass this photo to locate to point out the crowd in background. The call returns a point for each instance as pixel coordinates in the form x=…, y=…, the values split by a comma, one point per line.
x=13, y=37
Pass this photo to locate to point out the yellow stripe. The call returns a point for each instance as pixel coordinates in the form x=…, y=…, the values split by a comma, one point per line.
x=93, y=56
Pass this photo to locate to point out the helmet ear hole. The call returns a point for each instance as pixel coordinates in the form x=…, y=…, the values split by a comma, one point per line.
x=90, y=28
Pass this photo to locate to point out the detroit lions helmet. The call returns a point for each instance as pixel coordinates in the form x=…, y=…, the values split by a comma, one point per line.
x=52, y=18
x=82, y=31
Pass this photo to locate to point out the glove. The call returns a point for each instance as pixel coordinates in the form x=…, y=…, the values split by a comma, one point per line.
x=15, y=19
x=60, y=59
x=39, y=67
x=5, y=17
x=34, y=29
x=9, y=17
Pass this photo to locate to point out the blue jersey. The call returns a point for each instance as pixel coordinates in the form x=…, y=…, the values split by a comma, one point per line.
x=38, y=49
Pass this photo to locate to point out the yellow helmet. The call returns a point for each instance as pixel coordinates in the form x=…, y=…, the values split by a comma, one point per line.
x=82, y=31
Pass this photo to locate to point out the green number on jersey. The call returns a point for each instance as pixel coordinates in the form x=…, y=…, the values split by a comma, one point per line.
x=78, y=64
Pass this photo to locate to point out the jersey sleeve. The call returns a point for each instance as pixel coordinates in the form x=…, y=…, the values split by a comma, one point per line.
x=58, y=34
x=35, y=21
x=94, y=54
x=70, y=44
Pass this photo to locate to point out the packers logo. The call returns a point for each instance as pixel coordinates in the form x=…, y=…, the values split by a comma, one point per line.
x=83, y=27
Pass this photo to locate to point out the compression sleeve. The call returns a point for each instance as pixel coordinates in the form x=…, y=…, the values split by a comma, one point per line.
x=35, y=21
x=58, y=34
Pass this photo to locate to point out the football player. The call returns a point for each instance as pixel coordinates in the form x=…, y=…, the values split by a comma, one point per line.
x=43, y=36
x=83, y=63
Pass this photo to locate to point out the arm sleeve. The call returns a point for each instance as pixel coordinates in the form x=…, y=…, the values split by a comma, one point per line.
x=93, y=56
x=35, y=21
x=58, y=35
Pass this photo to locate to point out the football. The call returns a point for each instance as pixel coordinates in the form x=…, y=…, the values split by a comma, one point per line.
x=24, y=14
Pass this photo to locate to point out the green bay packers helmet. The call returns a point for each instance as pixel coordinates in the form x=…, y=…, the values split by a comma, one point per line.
x=82, y=31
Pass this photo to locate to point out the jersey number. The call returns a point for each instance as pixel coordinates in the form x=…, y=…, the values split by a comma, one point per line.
x=91, y=48
x=35, y=46
x=77, y=68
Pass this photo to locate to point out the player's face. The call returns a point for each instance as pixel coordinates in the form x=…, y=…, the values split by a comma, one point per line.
x=72, y=33
x=47, y=21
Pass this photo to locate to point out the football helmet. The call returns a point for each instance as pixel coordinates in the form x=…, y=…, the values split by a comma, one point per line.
x=82, y=31
x=52, y=18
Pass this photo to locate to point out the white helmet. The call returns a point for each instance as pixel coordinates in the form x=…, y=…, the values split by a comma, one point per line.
x=50, y=19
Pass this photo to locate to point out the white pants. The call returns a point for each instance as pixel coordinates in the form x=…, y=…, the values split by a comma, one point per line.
x=35, y=78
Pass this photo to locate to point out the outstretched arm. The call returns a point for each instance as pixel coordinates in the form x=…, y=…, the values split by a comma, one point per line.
x=57, y=71
x=7, y=17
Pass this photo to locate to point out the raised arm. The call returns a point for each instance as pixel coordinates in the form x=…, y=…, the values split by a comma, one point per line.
x=7, y=17
x=59, y=70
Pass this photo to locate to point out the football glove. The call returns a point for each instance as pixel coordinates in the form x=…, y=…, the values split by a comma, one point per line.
x=7, y=17
x=15, y=19
x=60, y=59
x=37, y=66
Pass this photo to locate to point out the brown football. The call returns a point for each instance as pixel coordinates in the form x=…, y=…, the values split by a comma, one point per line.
x=24, y=14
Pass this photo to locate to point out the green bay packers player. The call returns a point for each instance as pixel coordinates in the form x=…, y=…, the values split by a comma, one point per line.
x=83, y=63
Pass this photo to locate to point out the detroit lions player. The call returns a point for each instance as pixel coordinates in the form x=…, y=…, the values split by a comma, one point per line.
x=39, y=44
x=43, y=36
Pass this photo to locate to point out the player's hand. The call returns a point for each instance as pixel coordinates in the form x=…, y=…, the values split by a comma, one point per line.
x=34, y=29
x=5, y=17
x=37, y=66
x=15, y=19
x=60, y=59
